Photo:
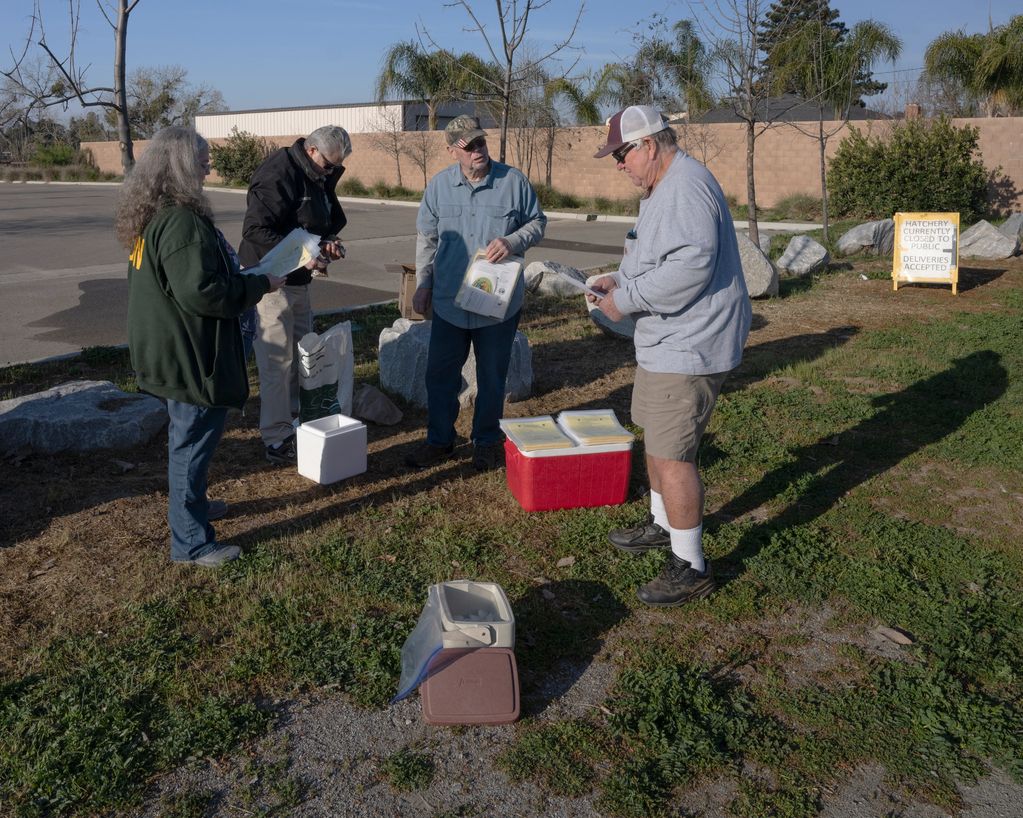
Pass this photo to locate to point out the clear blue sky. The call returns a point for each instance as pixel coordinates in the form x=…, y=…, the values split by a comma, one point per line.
x=268, y=54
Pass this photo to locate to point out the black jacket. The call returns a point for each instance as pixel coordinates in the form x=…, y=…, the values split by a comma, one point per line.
x=286, y=192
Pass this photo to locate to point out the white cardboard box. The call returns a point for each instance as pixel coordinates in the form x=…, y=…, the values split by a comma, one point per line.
x=331, y=448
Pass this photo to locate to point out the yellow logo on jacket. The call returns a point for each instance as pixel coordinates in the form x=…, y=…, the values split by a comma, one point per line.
x=136, y=254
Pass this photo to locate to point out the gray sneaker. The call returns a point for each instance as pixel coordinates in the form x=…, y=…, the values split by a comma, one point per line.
x=677, y=584
x=640, y=538
x=226, y=553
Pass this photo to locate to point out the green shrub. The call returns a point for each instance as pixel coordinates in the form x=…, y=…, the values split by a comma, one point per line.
x=551, y=199
x=920, y=166
x=237, y=159
x=352, y=187
x=798, y=207
x=57, y=155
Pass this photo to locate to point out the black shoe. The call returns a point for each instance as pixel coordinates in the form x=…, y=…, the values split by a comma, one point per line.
x=640, y=538
x=426, y=455
x=677, y=584
x=484, y=457
x=283, y=454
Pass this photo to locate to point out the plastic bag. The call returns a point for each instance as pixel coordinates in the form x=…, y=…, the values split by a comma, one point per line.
x=425, y=642
x=326, y=373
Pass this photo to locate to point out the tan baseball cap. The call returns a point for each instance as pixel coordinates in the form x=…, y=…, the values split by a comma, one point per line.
x=462, y=130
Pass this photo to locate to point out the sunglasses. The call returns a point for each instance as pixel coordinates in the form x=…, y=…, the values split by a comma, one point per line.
x=620, y=154
x=476, y=144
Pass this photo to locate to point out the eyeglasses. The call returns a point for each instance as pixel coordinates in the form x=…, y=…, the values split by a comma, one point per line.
x=620, y=154
x=477, y=144
x=327, y=167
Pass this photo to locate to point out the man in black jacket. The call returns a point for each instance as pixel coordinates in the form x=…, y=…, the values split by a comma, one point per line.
x=294, y=187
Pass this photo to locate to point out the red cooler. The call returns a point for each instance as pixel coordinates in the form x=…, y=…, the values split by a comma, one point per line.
x=579, y=477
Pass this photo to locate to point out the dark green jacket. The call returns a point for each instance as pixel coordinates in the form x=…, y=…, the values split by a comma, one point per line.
x=183, y=308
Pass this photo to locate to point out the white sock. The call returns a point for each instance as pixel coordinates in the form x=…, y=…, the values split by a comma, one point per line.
x=657, y=509
x=687, y=544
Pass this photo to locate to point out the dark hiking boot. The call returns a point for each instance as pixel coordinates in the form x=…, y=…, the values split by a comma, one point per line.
x=485, y=458
x=217, y=510
x=283, y=454
x=677, y=584
x=426, y=455
x=640, y=538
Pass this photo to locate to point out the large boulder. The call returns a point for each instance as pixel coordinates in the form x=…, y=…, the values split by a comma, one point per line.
x=986, y=241
x=760, y=274
x=551, y=278
x=804, y=256
x=79, y=416
x=625, y=328
x=402, y=356
x=1012, y=227
x=876, y=238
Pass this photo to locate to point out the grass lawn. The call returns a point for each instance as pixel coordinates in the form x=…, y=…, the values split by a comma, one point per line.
x=864, y=471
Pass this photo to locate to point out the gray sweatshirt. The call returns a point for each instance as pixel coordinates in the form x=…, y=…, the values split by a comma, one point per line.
x=681, y=276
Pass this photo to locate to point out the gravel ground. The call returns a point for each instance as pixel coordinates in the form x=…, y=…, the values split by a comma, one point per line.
x=331, y=751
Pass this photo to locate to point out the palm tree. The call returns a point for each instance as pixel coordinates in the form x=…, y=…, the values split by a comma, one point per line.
x=827, y=66
x=989, y=66
x=433, y=77
x=583, y=107
x=670, y=72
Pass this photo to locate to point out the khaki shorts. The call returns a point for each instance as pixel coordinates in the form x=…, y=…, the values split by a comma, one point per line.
x=673, y=411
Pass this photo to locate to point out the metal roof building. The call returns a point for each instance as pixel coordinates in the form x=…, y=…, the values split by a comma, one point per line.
x=355, y=118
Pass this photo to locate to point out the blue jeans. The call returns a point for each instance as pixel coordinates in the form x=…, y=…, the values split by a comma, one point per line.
x=192, y=436
x=249, y=328
x=449, y=350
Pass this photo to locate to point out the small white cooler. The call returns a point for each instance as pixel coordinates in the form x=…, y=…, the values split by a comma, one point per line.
x=331, y=448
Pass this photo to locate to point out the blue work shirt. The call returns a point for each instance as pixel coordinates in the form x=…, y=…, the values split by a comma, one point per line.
x=456, y=219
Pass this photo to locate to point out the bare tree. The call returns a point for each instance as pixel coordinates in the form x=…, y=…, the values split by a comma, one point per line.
x=512, y=20
x=389, y=136
x=827, y=68
x=60, y=80
x=733, y=26
x=418, y=147
x=700, y=141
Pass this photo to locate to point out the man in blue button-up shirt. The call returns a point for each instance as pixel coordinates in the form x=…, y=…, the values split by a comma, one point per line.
x=475, y=204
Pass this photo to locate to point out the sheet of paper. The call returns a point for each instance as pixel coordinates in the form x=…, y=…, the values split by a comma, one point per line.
x=575, y=282
x=293, y=251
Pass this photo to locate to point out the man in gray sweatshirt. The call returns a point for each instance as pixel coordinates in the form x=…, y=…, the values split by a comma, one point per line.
x=681, y=280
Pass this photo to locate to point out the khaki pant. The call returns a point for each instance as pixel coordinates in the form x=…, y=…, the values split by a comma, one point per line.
x=284, y=317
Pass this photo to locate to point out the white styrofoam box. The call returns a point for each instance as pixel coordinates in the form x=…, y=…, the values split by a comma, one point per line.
x=331, y=448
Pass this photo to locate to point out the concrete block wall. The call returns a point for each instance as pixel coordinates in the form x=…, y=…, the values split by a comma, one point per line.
x=787, y=158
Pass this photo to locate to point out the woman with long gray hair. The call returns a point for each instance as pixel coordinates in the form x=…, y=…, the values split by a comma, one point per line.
x=184, y=299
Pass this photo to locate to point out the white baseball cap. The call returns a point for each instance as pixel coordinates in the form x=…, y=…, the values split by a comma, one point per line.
x=631, y=124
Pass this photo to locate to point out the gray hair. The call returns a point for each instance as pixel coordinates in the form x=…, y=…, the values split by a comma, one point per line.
x=167, y=174
x=331, y=140
x=666, y=138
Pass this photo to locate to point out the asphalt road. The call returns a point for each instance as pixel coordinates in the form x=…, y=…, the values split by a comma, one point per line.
x=63, y=277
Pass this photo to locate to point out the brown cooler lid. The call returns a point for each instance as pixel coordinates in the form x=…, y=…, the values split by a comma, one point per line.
x=465, y=686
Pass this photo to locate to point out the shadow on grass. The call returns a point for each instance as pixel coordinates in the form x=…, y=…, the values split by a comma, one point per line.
x=824, y=472
x=561, y=627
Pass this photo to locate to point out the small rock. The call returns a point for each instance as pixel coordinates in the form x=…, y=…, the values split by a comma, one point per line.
x=899, y=637
x=566, y=562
